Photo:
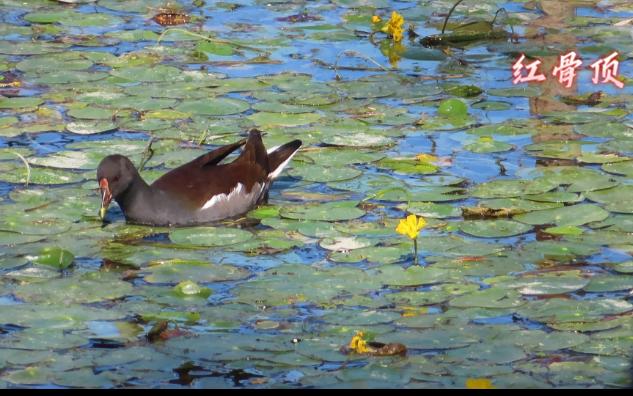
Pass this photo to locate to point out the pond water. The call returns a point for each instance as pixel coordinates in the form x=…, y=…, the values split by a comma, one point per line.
x=525, y=261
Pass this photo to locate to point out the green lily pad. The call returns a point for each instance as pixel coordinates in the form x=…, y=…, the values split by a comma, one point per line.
x=494, y=297
x=330, y=211
x=212, y=48
x=493, y=228
x=341, y=157
x=405, y=165
x=512, y=188
x=17, y=174
x=264, y=212
x=488, y=105
x=158, y=73
x=453, y=108
x=610, y=283
x=213, y=107
x=437, y=338
x=73, y=18
x=517, y=204
x=323, y=174
x=209, y=236
x=432, y=210
x=191, y=289
x=555, y=282
x=574, y=215
x=357, y=139
x=88, y=288
x=62, y=76
x=395, y=275
x=619, y=168
x=66, y=160
x=488, y=145
x=265, y=119
x=617, y=199
x=365, y=89
x=564, y=230
x=55, y=257
x=527, y=91
x=556, y=196
x=559, y=310
x=20, y=102
x=40, y=339
x=372, y=254
x=316, y=229
x=435, y=295
x=341, y=244
x=8, y=238
x=91, y=113
x=90, y=127
x=625, y=267
x=176, y=270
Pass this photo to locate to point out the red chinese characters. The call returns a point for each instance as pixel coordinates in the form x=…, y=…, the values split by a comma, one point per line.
x=532, y=68
x=605, y=69
x=566, y=69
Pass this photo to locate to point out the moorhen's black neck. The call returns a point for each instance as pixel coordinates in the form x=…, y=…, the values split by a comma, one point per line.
x=136, y=200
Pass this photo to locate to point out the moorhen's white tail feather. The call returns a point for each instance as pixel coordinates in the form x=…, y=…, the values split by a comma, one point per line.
x=278, y=157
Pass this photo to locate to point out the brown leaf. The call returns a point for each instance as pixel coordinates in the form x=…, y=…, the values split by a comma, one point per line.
x=171, y=18
x=155, y=332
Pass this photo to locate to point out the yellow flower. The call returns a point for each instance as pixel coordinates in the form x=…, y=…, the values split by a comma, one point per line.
x=479, y=383
x=394, y=27
x=411, y=226
x=376, y=19
x=358, y=343
x=423, y=157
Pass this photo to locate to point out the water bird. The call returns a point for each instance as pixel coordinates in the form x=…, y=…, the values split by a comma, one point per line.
x=200, y=191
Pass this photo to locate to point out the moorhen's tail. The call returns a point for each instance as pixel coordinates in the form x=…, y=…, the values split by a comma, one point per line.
x=254, y=150
x=278, y=157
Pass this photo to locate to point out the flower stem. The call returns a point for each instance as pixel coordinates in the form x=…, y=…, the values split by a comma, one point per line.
x=415, y=251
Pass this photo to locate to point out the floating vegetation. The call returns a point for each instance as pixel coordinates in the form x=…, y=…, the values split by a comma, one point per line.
x=524, y=192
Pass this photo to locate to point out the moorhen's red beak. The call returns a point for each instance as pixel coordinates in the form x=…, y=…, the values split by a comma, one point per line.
x=106, y=197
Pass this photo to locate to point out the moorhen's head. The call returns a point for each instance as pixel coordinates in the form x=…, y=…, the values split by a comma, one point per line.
x=114, y=174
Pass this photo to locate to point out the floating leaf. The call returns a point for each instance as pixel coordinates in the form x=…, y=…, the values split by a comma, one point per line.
x=213, y=107
x=493, y=228
x=488, y=145
x=177, y=270
x=191, y=289
x=209, y=236
x=55, y=257
x=512, y=188
x=323, y=174
x=330, y=211
x=555, y=282
x=574, y=215
x=212, y=48
x=453, y=108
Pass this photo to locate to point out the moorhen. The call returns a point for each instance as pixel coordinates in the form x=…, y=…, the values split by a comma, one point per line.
x=200, y=191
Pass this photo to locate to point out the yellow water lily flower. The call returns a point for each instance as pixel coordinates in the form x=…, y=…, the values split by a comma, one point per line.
x=394, y=27
x=358, y=343
x=411, y=226
x=479, y=383
x=423, y=157
x=376, y=19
